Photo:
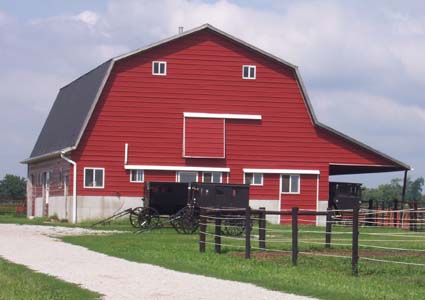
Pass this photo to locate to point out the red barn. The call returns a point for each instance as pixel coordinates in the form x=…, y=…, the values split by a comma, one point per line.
x=199, y=106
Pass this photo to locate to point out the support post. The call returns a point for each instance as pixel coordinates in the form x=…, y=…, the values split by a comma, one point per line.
x=328, y=233
x=355, y=241
x=202, y=231
x=395, y=213
x=294, y=236
x=262, y=228
x=217, y=233
x=403, y=193
x=248, y=233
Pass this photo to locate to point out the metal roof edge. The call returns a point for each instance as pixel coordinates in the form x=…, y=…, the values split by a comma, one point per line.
x=46, y=156
x=363, y=145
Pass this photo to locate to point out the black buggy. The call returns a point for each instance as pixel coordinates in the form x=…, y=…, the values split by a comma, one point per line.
x=179, y=204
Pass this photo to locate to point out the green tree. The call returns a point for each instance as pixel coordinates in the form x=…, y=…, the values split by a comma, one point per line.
x=13, y=187
x=394, y=189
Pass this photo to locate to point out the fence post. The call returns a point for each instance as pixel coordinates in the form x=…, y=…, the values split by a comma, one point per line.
x=262, y=228
x=294, y=236
x=217, y=233
x=395, y=213
x=202, y=230
x=415, y=214
x=248, y=233
x=328, y=233
x=355, y=242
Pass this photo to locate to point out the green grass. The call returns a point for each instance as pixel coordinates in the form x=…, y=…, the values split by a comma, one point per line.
x=318, y=276
x=120, y=224
x=17, y=282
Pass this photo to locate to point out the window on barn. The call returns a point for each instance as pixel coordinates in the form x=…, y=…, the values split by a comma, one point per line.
x=212, y=177
x=290, y=184
x=159, y=68
x=187, y=176
x=60, y=178
x=137, y=176
x=94, y=177
x=253, y=178
x=249, y=72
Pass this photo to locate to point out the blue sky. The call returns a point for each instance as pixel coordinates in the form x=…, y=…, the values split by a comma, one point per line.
x=362, y=62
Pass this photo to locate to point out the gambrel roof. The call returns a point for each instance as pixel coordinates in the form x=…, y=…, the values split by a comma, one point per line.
x=76, y=101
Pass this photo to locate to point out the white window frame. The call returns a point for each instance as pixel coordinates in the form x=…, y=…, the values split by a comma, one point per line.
x=221, y=176
x=290, y=184
x=159, y=68
x=94, y=178
x=257, y=184
x=249, y=72
x=137, y=170
x=179, y=172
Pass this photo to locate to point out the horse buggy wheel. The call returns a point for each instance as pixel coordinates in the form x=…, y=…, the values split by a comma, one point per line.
x=149, y=218
x=234, y=225
x=134, y=216
x=185, y=220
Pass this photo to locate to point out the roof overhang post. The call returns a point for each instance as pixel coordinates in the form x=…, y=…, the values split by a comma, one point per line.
x=403, y=193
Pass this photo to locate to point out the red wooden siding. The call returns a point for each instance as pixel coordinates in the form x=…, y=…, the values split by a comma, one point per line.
x=204, y=74
x=204, y=138
x=305, y=200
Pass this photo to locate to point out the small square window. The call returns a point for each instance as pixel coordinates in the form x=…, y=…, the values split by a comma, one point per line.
x=249, y=72
x=94, y=177
x=254, y=178
x=212, y=177
x=290, y=184
x=159, y=68
x=137, y=176
x=187, y=177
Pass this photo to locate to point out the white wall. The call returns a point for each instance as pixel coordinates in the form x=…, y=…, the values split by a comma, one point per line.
x=269, y=205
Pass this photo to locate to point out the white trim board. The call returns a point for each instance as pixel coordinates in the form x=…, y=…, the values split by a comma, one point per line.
x=221, y=116
x=282, y=171
x=175, y=168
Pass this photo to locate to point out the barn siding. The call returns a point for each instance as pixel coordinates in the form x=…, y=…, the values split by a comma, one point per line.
x=204, y=75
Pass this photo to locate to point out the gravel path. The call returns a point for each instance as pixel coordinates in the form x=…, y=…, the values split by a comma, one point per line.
x=113, y=277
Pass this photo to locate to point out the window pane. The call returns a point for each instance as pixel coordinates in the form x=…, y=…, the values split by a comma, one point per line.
x=140, y=175
x=295, y=180
x=162, y=68
x=98, y=177
x=155, y=68
x=258, y=178
x=251, y=72
x=245, y=71
x=89, y=177
x=216, y=177
x=208, y=177
x=285, y=183
x=248, y=178
x=187, y=176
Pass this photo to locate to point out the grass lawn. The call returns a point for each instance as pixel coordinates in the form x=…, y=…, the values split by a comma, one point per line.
x=318, y=276
x=17, y=282
x=120, y=224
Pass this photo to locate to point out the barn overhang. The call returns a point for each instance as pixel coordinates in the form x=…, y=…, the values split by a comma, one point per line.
x=349, y=169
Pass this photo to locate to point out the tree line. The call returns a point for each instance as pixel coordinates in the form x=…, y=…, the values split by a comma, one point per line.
x=13, y=187
x=394, y=189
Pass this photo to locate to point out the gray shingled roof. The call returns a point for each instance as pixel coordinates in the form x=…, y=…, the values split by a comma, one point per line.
x=69, y=112
x=75, y=103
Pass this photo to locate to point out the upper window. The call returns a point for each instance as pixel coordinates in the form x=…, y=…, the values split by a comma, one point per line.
x=212, y=177
x=290, y=184
x=187, y=176
x=94, y=177
x=249, y=72
x=159, y=68
x=253, y=178
x=137, y=176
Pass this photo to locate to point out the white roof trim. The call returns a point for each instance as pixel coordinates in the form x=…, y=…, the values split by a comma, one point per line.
x=175, y=168
x=282, y=171
x=221, y=116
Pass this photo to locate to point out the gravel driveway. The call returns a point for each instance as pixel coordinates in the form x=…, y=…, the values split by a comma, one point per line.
x=114, y=277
